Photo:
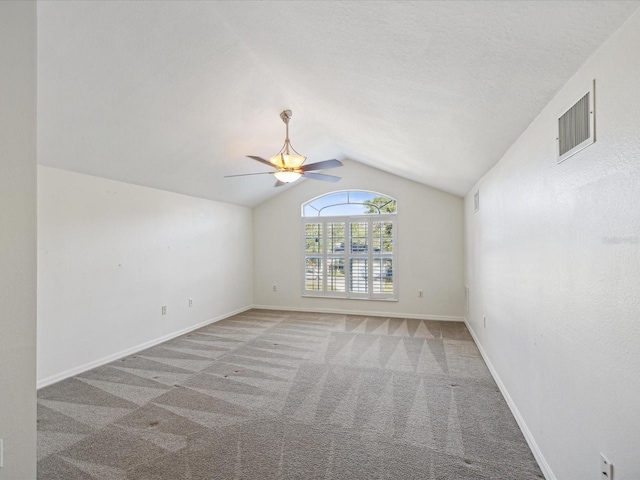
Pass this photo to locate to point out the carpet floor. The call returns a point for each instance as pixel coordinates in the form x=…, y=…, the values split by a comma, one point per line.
x=287, y=395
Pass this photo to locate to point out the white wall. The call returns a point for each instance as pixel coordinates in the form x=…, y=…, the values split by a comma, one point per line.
x=430, y=247
x=110, y=254
x=553, y=261
x=18, y=239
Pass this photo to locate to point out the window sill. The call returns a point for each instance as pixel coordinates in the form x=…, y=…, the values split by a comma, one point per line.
x=306, y=295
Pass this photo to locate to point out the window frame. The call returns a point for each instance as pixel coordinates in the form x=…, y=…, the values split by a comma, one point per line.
x=348, y=255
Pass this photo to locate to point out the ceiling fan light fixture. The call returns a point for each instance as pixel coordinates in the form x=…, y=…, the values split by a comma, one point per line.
x=287, y=177
x=290, y=165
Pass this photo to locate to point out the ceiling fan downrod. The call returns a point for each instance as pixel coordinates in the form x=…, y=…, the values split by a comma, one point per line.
x=286, y=115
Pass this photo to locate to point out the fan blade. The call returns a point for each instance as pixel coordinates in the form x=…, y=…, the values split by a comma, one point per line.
x=247, y=174
x=262, y=160
x=321, y=165
x=279, y=184
x=321, y=176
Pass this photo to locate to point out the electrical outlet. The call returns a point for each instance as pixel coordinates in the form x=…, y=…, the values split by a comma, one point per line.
x=191, y=302
x=275, y=288
x=484, y=321
x=420, y=294
x=606, y=469
x=164, y=310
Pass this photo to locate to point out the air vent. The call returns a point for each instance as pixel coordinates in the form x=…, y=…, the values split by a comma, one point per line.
x=576, y=127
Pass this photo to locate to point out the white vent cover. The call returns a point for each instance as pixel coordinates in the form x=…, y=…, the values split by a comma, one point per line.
x=576, y=126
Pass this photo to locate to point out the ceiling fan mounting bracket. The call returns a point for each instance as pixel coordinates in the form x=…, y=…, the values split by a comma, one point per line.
x=286, y=115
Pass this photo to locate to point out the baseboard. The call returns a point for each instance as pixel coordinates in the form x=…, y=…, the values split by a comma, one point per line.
x=445, y=318
x=537, y=453
x=130, y=351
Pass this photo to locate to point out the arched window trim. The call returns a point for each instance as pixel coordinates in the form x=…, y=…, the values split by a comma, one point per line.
x=309, y=203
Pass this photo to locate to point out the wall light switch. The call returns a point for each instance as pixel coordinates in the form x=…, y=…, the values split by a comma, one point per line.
x=191, y=302
x=164, y=310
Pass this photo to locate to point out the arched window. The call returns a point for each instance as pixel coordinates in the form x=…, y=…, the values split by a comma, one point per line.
x=350, y=245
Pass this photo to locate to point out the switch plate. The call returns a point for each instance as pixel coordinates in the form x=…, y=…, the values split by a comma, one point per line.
x=191, y=302
x=420, y=294
x=275, y=289
x=484, y=321
x=606, y=469
x=164, y=310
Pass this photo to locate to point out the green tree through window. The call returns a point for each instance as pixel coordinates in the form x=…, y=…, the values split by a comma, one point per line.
x=380, y=205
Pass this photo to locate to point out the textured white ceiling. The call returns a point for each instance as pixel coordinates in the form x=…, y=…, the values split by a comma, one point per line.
x=173, y=95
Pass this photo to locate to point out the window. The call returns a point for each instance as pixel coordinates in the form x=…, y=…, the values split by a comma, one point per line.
x=350, y=246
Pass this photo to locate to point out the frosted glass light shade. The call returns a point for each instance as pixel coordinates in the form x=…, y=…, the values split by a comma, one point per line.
x=287, y=177
x=286, y=160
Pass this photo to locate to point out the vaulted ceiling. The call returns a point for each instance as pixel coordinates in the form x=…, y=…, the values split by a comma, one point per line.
x=174, y=95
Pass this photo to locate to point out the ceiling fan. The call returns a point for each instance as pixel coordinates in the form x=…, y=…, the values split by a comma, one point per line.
x=290, y=166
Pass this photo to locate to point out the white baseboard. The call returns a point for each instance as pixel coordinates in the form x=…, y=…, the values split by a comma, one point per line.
x=130, y=351
x=537, y=453
x=445, y=318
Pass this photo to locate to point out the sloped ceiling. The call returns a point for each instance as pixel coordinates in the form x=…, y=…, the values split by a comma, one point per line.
x=173, y=95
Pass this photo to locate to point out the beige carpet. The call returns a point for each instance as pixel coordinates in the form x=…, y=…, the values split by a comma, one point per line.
x=284, y=395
